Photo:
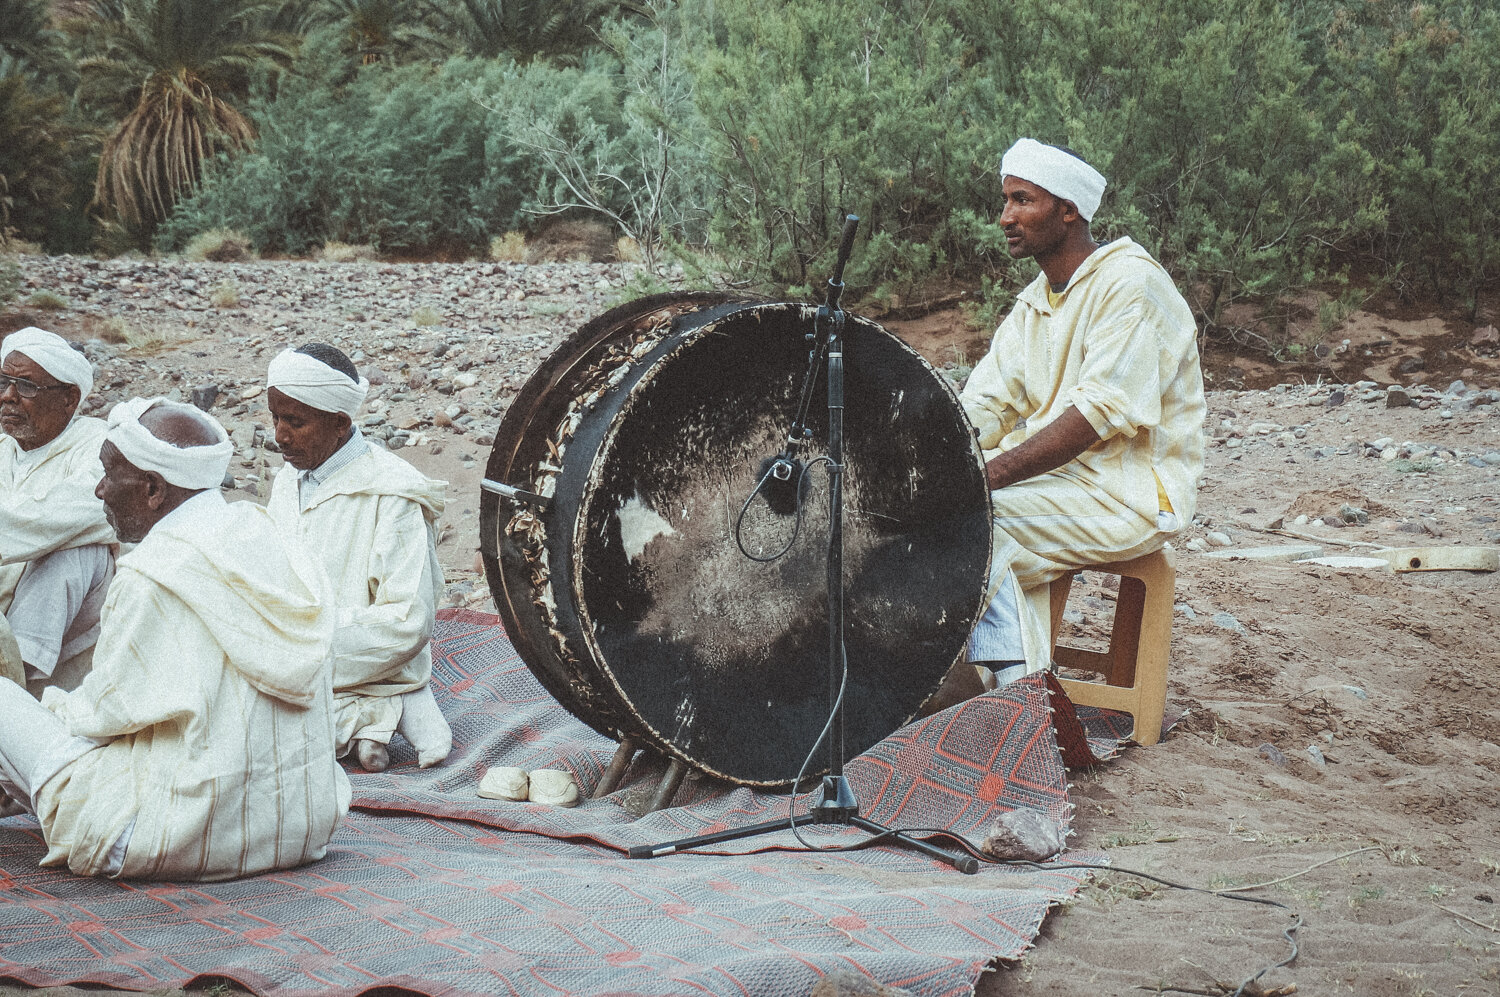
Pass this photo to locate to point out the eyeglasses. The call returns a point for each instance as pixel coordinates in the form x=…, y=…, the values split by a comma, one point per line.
x=25, y=388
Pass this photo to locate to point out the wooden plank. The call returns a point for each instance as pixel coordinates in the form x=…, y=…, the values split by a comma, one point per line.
x=1442, y=558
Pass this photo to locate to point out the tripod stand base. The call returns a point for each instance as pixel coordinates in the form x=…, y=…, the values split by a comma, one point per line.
x=966, y=864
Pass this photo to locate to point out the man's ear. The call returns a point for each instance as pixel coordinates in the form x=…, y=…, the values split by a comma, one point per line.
x=1070, y=212
x=75, y=395
x=156, y=490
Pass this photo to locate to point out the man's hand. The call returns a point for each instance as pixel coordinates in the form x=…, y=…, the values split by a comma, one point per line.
x=1060, y=441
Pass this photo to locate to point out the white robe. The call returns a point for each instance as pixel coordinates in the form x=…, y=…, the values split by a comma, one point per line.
x=1118, y=344
x=46, y=507
x=211, y=694
x=371, y=526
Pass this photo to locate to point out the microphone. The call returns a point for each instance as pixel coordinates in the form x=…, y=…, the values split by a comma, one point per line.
x=782, y=484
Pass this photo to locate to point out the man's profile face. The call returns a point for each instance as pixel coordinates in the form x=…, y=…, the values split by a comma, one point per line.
x=307, y=436
x=126, y=493
x=38, y=420
x=1033, y=219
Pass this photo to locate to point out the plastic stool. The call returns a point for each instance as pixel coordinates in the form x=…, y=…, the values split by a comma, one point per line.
x=1135, y=666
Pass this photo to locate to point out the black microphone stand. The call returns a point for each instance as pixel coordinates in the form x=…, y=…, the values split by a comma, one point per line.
x=837, y=803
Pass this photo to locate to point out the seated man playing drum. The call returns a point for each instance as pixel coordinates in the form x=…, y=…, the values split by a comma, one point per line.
x=1099, y=357
x=57, y=551
x=368, y=517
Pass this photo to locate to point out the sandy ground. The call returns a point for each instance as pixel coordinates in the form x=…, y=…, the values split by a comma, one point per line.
x=1332, y=713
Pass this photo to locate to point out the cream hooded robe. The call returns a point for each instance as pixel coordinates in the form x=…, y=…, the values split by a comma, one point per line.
x=372, y=527
x=48, y=506
x=211, y=692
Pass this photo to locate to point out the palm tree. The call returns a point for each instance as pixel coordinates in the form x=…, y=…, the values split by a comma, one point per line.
x=526, y=29
x=170, y=72
x=379, y=30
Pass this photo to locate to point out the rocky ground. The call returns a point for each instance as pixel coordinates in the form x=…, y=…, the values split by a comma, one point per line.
x=1333, y=711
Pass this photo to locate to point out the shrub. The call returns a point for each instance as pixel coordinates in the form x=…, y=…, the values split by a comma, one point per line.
x=425, y=316
x=48, y=301
x=508, y=248
x=219, y=246
x=342, y=252
x=10, y=278
x=226, y=294
x=400, y=159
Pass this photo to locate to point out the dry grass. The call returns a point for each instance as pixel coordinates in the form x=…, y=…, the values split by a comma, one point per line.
x=226, y=294
x=343, y=252
x=508, y=248
x=48, y=301
x=219, y=246
x=147, y=339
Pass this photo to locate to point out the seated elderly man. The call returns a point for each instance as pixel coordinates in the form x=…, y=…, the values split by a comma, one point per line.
x=200, y=747
x=1099, y=357
x=368, y=517
x=57, y=551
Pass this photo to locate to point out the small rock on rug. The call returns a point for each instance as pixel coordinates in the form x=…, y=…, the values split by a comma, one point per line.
x=431, y=889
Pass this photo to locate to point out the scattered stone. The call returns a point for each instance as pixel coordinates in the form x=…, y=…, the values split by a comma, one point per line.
x=1272, y=754
x=1197, y=544
x=1226, y=621
x=1024, y=834
x=1334, y=400
x=1354, y=514
x=1219, y=539
x=204, y=396
x=1397, y=398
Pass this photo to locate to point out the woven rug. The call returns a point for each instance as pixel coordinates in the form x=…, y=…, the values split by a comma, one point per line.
x=429, y=888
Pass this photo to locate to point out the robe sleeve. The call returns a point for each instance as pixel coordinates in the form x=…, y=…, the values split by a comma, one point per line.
x=68, y=516
x=994, y=397
x=376, y=641
x=147, y=668
x=1120, y=383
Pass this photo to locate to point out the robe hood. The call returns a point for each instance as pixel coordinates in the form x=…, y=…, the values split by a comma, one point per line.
x=380, y=472
x=265, y=606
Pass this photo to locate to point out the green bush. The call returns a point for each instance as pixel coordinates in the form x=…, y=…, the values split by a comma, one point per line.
x=400, y=159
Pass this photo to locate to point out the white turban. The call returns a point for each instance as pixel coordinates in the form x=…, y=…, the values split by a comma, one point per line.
x=186, y=467
x=52, y=353
x=1056, y=172
x=312, y=382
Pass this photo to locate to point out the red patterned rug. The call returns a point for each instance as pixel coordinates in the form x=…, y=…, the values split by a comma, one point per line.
x=431, y=889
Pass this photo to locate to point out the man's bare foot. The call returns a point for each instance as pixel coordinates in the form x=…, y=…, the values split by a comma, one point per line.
x=372, y=756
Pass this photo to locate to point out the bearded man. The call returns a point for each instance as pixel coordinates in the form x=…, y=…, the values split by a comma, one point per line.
x=57, y=551
x=200, y=746
x=1099, y=357
x=368, y=517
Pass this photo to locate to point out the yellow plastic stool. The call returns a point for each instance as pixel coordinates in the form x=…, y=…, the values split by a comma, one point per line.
x=1135, y=666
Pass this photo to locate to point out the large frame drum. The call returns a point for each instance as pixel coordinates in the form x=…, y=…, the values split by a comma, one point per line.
x=626, y=592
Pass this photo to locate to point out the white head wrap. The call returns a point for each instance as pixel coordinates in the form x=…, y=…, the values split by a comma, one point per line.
x=52, y=353
x=1056, y=172
x=186, y=467
x=312, y=382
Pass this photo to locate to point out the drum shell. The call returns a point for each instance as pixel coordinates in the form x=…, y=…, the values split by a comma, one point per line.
x=657, y=626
